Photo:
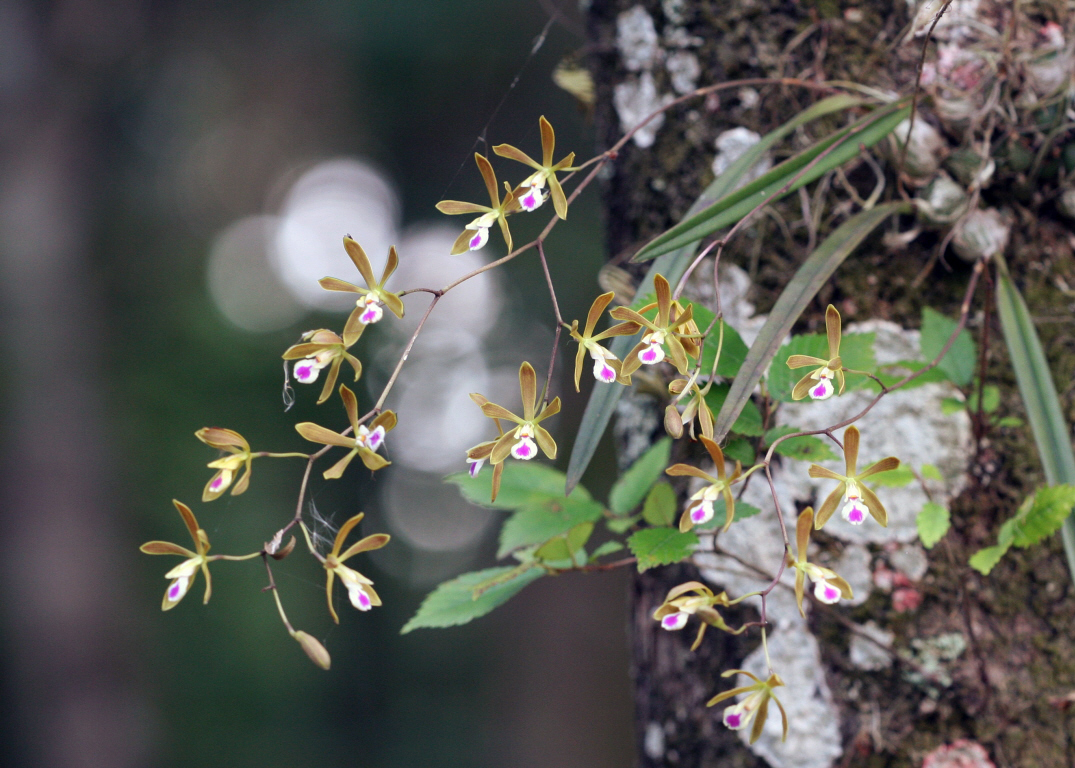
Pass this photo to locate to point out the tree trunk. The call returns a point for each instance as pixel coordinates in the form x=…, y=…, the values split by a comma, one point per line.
x=1005, y=692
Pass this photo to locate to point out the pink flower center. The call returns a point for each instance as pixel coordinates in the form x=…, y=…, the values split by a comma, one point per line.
x=855, y=515
x=364, y=600
x=734, y=721
x=173, y=591
x=831, y=594
x=523, y=451
x=215, y=485
x=607, y=374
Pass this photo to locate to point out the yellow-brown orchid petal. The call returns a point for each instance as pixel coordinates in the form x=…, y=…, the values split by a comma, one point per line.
x=729, y=694
x=841, y=378
x=393, y=302
x=353, y=328
x=801, y=361
x=336, y=471
x=884, y=465
x=802, y=534
x=360, y=259
x=244, y=481
x=877, y=509
x=680, y=470
x=802, y=386
x=545, y=441
x=208, y=584
x=355, y=363
x=717, y=455
x=729, y=506
x=350, y=404
x=548, y=141
x=299, y=351
x=462, y=243
x=330, y=380
x=628, y=314
x=372, y=459
x=819, y=471
x=664, y=300
x=631, y=363
x=551, y=409
x=685, y=522
x=318, y=434
x=623, y=329
x=224, y=439
x=783, y=718
x=676, y=354
x=336, y=284
x=512, y=153
x=759, y=719
x=503, y=446
x=188, y=518
x=827, y=507
x=498, y=470
x=841, y=584
x=701, y=633
x=494, y=411
x=528, y=390
x=503, y=222
x=165, y=548
x=481, y=451
x=596, y=310
x=376, y=541
x=371, y=593
x=800, y=582
x=832, y=330
x=328, y=591
x=580, y=360
x=390, y=265
x=851, y=449
x=688, y=586
x=486, y=170
x=345, y=530
x=455, y=207
x=705, y=418
x=684, y=318
x=386, y=419
x=556, y=192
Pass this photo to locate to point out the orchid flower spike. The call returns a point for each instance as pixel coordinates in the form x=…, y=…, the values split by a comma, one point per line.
x=672, y=327
x=694, y=599
x=858, y=499
x=828, y=587
x=818, y=383
x=606, y=367
x=364, y=441
x=182, y=575
x=523, y=441
x=476, y=233
x=227, y=467
x=359, y=588
x=700, y=505
x=755, y=707
x=697, y=407
x=321, y=349
x=368, y=307
x=529, y=193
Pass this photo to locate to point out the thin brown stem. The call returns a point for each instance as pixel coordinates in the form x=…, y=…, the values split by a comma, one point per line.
x=559, y=321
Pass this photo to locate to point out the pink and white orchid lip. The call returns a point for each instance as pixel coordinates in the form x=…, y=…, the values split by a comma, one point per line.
x=674, y=621
x=475, y=466
x=178, y=589
x=371, y=439
x=826, y=592
x=525, y=448
x=823, y=390
x=358, y=596
x=373, y=312
x=701, y=512
x=604, y=372
x=306, y=371
x=654, y=353
x=221, y=481
x=739, y=715
x=479, y=239
x=854, y=512
x=532, y=200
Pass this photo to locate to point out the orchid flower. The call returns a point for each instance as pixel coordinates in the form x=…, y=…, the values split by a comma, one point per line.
x=858, y=499
x=697, y=407
x=529, y=193
x=523, y=441
x=818, y=383
x=476, y=234
x=672, y=327
x=680, y=605
x=606, y=366
x=321, y=349
x=480, y=453
x=828, y=587
x=359, y=588
x=368, y=307
x=364, y=441
x=227, y=467
x=754, y=707
x=182, y=575
x=700, y=505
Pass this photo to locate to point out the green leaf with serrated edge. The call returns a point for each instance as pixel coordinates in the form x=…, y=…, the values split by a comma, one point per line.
x=990, y=398
x=733, y=350
x=805, y=448
x=1051, y=434
x=603, y=399
x=742, y=512
x=606, y=549
x=856, y=353
x=958, y=365
x=950, y=405
x=984, y=560
x=521, y=484
x=895, y=478
x=1043, y=516
x=537, y=523
x=795, y=172
x=629, y=491
x=1009, y=421
x=661, y=546
x=566, y=546
x=622, y=524
x=740, y=450
x=933, y=521
x=453, y=602
x=749, y=422
x=930, y=472
x=802, y=288
x=660, y=506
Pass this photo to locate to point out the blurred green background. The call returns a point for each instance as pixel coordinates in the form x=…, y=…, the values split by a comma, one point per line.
x=166, y=169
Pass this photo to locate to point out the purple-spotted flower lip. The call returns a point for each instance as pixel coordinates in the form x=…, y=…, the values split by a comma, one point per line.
x=738, y=716
x=602, y=371
x=854, y=511
x=754, y=706
x=675, y=621
x=701, y=512
x=478, y=240
x=525, y=448
x=826, y=592
x=532, y=198
x=823, y=390
x=475, y=466
x=371, y=311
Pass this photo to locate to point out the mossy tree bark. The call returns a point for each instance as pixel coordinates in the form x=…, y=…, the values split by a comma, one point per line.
x=1008, y=687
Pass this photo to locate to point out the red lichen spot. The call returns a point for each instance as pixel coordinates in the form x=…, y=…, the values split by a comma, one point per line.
x=906, y=599
x=962, y=753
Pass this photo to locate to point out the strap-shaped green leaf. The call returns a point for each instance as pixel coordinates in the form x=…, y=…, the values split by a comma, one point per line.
x=813, y=273
x=1038, y=392
x=672, y=265
x=795, y=172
